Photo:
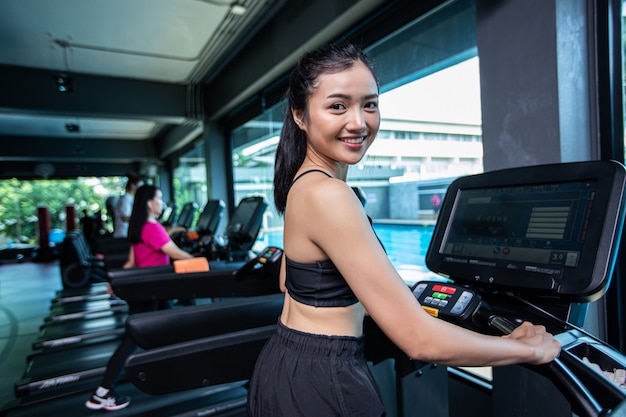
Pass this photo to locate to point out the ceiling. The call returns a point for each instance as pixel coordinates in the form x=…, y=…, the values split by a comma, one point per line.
x=100, y=88
x=154, y=47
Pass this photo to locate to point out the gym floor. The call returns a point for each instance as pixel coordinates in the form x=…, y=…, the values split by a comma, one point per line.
x=26, y=291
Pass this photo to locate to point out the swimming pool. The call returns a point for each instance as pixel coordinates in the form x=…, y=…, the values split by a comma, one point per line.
x=406, y=247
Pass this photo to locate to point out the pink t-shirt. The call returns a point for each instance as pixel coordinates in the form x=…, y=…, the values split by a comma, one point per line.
x=148, y=252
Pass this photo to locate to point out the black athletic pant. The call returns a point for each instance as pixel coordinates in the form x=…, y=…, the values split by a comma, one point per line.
x=302, y=374
x=126, y=346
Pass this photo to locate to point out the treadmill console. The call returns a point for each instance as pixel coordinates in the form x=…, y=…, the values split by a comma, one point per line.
x=534, y=243
x=243, y=228
x=446, y=301
x=548, y=229
x=269, y=259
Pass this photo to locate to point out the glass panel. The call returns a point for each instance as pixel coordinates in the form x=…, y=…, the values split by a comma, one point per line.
x=254, y=146
x=430, y=134
x=190, y=180
x=19, y=202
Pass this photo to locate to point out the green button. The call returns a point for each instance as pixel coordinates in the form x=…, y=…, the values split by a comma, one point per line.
x=439, y=295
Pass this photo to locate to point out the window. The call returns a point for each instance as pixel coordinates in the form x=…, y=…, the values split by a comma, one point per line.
x=254, y=146
x=20, y=200
x=190, y=179
x=430, y=131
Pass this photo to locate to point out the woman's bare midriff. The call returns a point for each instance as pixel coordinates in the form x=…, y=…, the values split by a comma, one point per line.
x=331, y=321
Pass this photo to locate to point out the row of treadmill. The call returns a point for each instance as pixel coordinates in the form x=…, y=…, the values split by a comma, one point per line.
x=535, y=243
x=238, y=293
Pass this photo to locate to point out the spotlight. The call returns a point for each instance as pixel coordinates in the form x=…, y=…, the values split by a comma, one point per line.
x=72, y=127
x=238, y=9
x=64, y=83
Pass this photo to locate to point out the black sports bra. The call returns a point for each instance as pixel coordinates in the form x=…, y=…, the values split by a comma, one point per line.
x=317, y=284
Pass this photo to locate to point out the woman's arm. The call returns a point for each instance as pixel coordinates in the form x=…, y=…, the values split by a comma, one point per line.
x=174, y=229
x=130, y=262
x=336, y=223
x=174, y=252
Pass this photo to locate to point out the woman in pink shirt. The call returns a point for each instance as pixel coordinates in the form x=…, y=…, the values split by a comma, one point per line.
x=151, y=244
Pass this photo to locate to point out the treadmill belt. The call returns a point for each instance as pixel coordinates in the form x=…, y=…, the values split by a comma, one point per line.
x=226, y=400
x=81, y=327
x=54, y=364
x=79, y=306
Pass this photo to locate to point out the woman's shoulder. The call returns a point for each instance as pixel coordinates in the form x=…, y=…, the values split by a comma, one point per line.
x=333, y=188
x=325, y=202
x=153, y=226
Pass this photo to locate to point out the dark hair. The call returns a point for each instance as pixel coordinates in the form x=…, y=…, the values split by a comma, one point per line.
x=139, y=215
x=133, y=179
x=291, y=150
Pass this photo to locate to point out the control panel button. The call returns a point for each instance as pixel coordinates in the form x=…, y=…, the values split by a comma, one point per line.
x=444, y=289
x=419, y=290
x=432, y=311
x=462, y=302
x=445, y=300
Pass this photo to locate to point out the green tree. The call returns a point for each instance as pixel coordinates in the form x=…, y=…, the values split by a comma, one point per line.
x=19, y=202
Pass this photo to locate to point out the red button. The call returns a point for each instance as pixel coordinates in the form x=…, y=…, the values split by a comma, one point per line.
x=444, y=289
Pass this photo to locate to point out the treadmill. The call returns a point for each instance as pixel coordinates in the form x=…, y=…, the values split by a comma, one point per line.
x=214, y=345
x=62, y=371
x=51, y=373
x=539, y=244
x=195, y=241
x=241, y=232
x=58, y=333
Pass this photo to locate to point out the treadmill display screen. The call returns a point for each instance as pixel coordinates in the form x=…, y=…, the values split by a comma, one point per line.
x=244, y=226
x=538, y=228
x=550, y=229
x=244, y=215
x=210, y=218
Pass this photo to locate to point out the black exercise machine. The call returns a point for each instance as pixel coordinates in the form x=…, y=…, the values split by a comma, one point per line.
x=535, y=243
x=79, y=266
x=240, y=237
x=54, y=373
x=257, y=276
x=235, y=331
x=196, y=241
x=241, y=232
x=187, y=215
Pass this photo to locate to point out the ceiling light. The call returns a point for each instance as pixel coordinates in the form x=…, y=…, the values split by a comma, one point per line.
x=238, y=9
x=72, y=127
x=64, y=83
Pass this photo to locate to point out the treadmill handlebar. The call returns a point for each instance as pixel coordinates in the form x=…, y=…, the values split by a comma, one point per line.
x=168, y=327
x=589, y=393
x=215, y=360
x=257, y=276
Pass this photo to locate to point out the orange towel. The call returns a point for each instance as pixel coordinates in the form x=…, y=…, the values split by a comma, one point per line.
x=199, y=264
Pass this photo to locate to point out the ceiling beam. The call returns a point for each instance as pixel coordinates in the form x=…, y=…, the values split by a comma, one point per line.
x=32, y=170
x=33, y=91
x=19, y=148
x=177, y=137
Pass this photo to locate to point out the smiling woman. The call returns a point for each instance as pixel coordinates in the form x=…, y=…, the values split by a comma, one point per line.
x=334, y=268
